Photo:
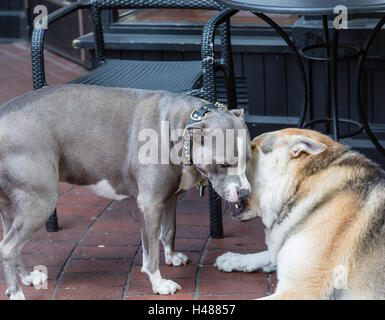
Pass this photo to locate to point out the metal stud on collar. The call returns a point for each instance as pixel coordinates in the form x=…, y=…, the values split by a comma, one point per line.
x=221, y=105
x=187, y=147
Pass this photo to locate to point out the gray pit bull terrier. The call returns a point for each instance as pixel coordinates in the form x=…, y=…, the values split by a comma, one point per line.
x=88, y=135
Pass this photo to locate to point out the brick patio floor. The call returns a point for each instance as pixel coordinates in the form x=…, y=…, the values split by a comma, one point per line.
x=97, y=253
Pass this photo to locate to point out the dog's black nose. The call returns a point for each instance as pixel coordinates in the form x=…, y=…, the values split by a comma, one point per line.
x=242, y=193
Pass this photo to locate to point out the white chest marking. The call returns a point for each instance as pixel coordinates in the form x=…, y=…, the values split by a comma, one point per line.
x=105, y=190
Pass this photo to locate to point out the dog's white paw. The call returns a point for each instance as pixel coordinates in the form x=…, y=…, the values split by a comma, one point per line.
x=177, y=259
x=35, y=278
x=228, y=261
x=164, y=286
x=18, y=295
x=269, y=268
x=245, y=262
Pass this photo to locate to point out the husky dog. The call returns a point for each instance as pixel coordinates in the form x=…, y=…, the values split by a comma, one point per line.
x=323, y=207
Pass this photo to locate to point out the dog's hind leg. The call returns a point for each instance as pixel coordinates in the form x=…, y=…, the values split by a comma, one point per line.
x=167, y=235
x=6, y=219
x=29, y=210
x=9, y=267
x=21, y=270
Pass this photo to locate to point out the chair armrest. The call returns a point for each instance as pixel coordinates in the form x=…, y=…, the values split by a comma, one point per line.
x=37, y=43
x=207, y=50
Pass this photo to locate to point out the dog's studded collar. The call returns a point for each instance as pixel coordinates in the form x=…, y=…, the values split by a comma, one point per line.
x=198, y=115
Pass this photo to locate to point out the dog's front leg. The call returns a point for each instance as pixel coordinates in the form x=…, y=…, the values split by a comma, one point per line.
x=167, y=235
x=245, y=262
x=151, y=217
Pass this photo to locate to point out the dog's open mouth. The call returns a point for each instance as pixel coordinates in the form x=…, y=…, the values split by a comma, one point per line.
x=237, y=213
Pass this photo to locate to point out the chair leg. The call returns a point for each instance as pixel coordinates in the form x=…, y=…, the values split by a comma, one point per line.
x=228, y=66
x=51, y=224
x=216, y=225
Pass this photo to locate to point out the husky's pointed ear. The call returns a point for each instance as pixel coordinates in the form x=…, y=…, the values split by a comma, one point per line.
x=301, y=144
x=239, y=113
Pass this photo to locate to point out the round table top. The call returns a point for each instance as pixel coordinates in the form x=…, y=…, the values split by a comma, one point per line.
x=305, y=7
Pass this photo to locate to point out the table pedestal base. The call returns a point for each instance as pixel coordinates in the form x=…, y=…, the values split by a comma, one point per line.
x=331, y=58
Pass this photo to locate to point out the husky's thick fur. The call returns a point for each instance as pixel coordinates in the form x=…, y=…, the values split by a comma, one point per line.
x=323, y=206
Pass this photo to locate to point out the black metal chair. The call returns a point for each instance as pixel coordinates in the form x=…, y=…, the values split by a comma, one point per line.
x=191, y=77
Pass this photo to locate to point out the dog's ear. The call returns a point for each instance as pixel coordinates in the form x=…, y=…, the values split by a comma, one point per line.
x=239, y=113
x=195, y=126
x=301, y=144
x=197, y=130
